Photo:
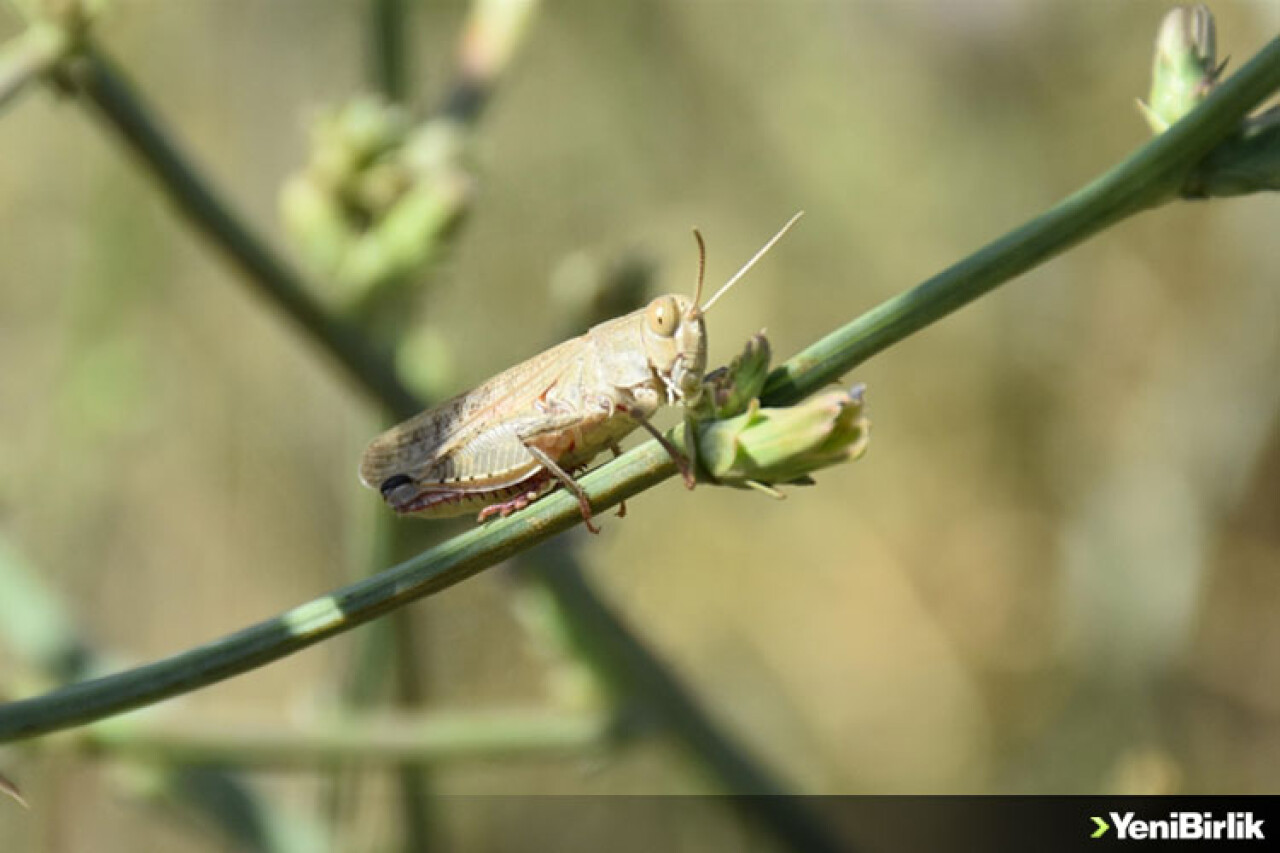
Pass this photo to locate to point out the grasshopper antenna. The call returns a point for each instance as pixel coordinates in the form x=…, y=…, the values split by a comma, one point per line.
x=702, y=266
x=748, y=265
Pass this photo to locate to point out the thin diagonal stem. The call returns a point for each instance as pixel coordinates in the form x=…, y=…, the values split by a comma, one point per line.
x=641, y=678
x=115, y=100
x=393, y=649
x=388, y=59
x=427, y=573
x=1152, y=175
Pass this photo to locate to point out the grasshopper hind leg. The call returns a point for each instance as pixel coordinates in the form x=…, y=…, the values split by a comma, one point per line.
x=568, y=482
x=507, y=507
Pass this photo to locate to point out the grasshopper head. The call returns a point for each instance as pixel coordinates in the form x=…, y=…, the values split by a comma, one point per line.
x=675, y=343
x=675, y=335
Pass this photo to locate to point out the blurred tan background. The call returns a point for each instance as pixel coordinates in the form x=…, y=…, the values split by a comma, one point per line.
x=1056, y=569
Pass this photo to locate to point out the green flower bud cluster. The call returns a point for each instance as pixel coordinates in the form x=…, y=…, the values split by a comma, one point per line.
x=744, y=445
x=375, y=195
x=762, y=448
x=729, y=390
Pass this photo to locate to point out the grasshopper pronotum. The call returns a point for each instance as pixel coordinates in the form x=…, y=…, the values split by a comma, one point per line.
x=501, y=446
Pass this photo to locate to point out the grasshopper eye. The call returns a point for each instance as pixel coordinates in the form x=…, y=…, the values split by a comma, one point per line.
x=663, y=316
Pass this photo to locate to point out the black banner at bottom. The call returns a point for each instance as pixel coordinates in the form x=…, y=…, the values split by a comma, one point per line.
x=857, y=824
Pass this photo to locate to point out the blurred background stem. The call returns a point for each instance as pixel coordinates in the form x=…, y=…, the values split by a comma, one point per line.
x=1151, y=176
x=390, y=646
x=643, y=684
x=405, y=739
x=367, y=366
x=40, y=630
x=389, y=62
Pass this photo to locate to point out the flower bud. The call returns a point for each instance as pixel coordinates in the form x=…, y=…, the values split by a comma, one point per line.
x=764, y=447
x=731, y=389
x=1186, y=67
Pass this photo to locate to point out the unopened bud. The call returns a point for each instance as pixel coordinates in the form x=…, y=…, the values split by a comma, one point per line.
x=1186, y=66
x=731, y=389
x=765, y=447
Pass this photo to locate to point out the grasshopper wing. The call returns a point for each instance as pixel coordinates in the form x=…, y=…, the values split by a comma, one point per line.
x=472, y=442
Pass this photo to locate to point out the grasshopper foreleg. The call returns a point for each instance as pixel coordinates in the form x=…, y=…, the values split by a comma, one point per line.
x=686, y=470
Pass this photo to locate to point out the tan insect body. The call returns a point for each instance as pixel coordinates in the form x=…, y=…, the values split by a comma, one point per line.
x=502, y=445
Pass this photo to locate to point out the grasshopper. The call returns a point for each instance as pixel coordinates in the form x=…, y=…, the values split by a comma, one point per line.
x=500, y=447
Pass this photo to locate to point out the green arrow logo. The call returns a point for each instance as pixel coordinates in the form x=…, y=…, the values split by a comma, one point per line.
x=1102, y=828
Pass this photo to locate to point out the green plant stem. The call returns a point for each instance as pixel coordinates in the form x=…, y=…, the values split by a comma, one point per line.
x=371, y=738
x=38, y=629
x=429, y=572
x=638, y=678
x=1248, y=162
x=388, y=61
x=397, y=640
x=1141, y=180
x=389, y=73
x=639, y=683
x=1152, y=175
x=99, y=82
